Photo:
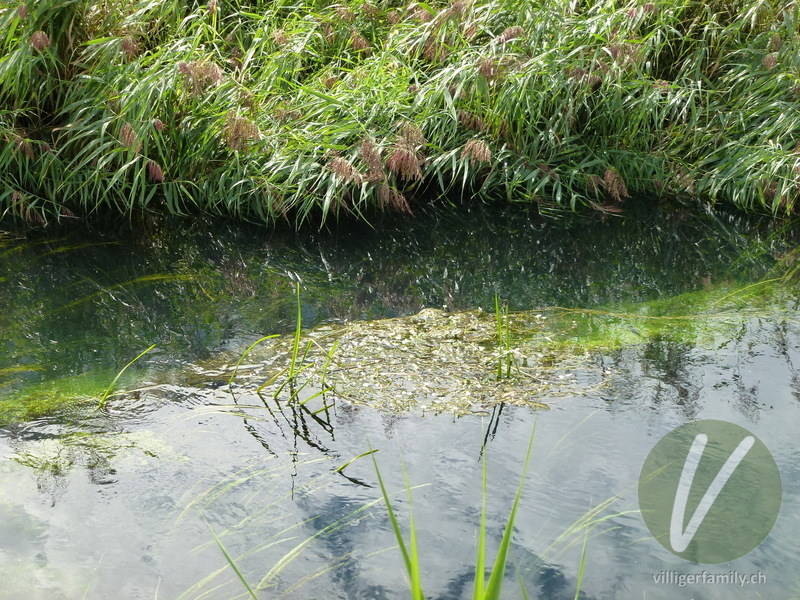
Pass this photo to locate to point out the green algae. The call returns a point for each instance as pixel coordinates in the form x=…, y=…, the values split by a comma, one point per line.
x=47, y=398
x=707, y=317
x=66, y=397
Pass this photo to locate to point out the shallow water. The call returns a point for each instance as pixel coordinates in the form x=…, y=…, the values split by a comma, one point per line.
x=121, y=502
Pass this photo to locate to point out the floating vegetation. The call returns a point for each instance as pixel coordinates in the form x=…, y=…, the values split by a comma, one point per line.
x=432, y=361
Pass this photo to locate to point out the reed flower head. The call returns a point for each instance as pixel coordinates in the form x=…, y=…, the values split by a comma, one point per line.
x=212, y=6
x=545, y=168
x=458, y=8
x=661, y=85
x=330, y=81
x=477, y=151
x=471, y=121
x=345, y=171
x=279, y=37
x=345, y=14
x=775, y=43
x=200, y=74
x=511, y=33
x=594, y=183
x=40, y=40
x=488, y=68
x=371, y=155
x=422, y=15
x=770, y=60
x=393, y=17
x=404, y=162
x=615, y=185
x=328, y=32
x=22, y=11
x=238, y=132
x=649, y=8
x=158, y=124
x=624, y=53
x=129, y=138
x=129, y=47
x=23, y=147
x=411, y=135
x=359, y=43
x=154, y=171
x=769, y=189
x=370, y=10
x=434, y=50
x=388, y=197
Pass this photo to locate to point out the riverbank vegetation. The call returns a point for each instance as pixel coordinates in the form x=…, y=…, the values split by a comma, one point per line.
x=305, y=110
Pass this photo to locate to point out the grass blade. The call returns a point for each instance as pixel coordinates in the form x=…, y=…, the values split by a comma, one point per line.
x=498, y=570
x=232, y=563
x=110, y=388
x=411, y=560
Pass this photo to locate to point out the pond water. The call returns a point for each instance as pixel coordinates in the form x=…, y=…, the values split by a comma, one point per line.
x=123, y=498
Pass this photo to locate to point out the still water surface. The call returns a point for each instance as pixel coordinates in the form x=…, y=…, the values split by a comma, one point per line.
x=121, y=502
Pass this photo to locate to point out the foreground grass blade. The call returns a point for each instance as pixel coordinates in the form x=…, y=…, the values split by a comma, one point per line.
x=495, y=583
x=110, y=388
x=297, y=330
x=233, y=564
x=411, y=559
x=246, y=352
x=480, y=569
x=582, y=564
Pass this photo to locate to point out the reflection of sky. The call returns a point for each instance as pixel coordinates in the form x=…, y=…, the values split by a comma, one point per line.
x=128, y=534
x=123, y=520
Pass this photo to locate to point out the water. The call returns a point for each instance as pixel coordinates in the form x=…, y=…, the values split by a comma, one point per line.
x=122, y=502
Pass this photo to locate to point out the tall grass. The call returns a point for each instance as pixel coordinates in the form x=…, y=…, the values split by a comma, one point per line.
x=483, y=589
x=307, y=111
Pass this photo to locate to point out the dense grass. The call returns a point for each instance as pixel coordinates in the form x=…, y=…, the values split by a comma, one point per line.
x=302, y=110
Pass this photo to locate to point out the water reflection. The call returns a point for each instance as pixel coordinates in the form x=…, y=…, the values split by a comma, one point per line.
x=121, y=500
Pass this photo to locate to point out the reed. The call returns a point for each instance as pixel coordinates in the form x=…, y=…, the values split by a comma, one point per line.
x=260, y=110
x=483, y=588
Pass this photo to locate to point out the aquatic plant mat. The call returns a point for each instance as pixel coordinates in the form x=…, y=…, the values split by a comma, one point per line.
x=433, y=361
x=468, y=361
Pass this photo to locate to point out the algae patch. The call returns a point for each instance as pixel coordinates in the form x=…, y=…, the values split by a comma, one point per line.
x=62, y=396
